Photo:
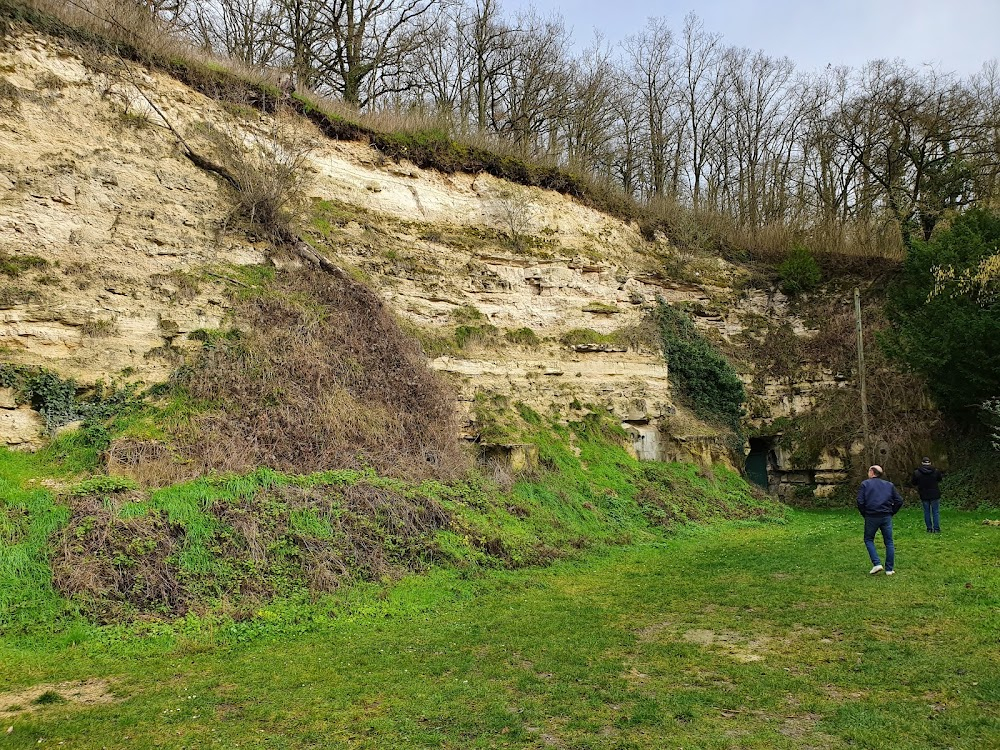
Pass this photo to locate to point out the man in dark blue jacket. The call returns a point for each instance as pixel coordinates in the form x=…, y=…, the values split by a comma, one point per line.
x=926, y=479
x=878, y=502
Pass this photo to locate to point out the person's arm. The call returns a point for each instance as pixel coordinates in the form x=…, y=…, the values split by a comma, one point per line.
x=861, y=499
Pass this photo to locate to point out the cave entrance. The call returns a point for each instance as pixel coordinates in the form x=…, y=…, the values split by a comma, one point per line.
x=757, y=463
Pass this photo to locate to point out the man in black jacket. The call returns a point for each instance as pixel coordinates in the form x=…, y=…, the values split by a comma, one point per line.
x=926, y=479
x=878, y=502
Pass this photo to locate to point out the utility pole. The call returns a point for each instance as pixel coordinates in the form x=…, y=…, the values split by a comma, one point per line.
x=861, y=374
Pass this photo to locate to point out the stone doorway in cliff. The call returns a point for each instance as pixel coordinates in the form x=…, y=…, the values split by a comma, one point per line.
x=757, y=461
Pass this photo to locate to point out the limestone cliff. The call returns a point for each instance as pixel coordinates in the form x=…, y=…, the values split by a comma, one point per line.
x=119, y=249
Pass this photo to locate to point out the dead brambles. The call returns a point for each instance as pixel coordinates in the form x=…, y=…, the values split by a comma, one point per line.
x=322, y=378
x=111, y=565
x=126, y=556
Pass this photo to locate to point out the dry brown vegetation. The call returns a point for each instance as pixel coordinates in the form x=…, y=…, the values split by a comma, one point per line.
x=104, y=561
x=113, y=22
x=901, y=417
x=266, y=175
x=320, y=377
x=151, y=463
x=843, y=247
x=278, y=540
x=902, y=420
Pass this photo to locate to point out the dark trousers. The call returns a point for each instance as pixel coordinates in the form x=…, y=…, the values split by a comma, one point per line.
x=932, y=514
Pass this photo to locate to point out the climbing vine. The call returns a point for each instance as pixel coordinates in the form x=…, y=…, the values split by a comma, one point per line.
x=59, y=401
x=706, y=380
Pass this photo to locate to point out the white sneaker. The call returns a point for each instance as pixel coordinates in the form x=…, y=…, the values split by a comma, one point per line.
x=890, y=572
x=877, y=569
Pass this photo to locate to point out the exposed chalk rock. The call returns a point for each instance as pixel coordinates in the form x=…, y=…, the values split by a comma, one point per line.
x=21, y=428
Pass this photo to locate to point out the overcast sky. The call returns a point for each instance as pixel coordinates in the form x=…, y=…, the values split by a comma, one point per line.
x=958, y=36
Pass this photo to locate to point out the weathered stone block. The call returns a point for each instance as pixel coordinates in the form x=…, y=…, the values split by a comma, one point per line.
x=645, y=441
x=824, y=491
x=7, y=400
x=21, y=428
x=830, y=461
x=518, y=456
x=797, y=477
x=830, y=477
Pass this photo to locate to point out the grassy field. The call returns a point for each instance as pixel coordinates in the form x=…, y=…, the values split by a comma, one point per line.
x=735, y=635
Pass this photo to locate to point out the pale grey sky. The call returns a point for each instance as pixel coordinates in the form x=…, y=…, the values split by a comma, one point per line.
x=957, y=36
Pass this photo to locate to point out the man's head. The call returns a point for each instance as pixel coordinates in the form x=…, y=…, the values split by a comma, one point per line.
x=874, y=471
x=925, y=462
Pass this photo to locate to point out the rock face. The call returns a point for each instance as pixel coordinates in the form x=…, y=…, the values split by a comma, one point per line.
x=108, y=230
x=20, y=426
x=120, y=248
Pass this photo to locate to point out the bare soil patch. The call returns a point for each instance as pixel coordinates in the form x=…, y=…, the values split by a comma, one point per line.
x=83, y=692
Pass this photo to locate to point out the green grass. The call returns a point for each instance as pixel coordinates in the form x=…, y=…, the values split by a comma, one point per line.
x=592, y=605
x=735, y=635
x=228, y=543
x=28, y=519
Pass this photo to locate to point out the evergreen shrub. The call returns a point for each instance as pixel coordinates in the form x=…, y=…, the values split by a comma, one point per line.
x=799, y=272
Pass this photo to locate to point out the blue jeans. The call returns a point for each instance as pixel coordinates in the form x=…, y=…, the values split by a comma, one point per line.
x=883, y=524
x=932, y=514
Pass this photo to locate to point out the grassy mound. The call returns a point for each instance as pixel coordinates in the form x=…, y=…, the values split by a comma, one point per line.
x=108, y=551
x=311, y=373
x=223, y=542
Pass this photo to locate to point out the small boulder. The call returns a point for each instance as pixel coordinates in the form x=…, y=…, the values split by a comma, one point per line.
x=21, y=428
x=7, y=400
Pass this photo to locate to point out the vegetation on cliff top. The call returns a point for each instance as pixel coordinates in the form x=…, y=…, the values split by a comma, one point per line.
x=619, y=165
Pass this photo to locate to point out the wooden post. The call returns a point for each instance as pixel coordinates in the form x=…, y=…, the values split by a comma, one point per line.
x=861, y=376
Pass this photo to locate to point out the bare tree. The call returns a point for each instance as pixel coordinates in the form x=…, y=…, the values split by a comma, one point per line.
x=366, y=43
x=829, y=169
x=654, y=74
x=759, y=126
x=489, y=41
x=595, y=102
x=922, y=138
x=440, y=81
x=626, y=162
x=985, y=87
x=244, y=30
x=301, y=29
x=702, y=86
x=530, y=93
